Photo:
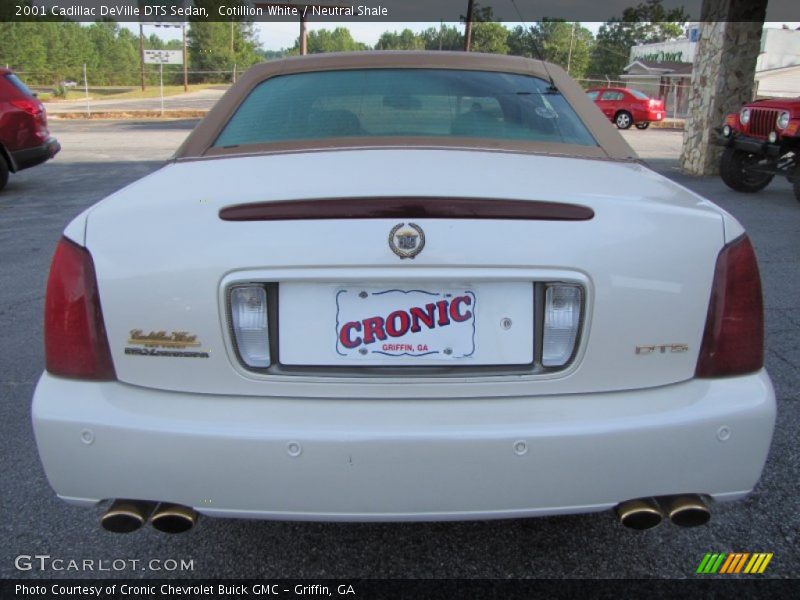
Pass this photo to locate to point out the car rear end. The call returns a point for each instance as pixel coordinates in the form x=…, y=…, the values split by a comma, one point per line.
x=646, y=109
x=24, y=134
x=380, y=331
x=604, y=369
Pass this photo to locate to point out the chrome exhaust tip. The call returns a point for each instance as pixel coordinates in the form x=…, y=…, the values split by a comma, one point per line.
x=173, y=518
x=125, y=516
x=687, y=510
x=639, y=514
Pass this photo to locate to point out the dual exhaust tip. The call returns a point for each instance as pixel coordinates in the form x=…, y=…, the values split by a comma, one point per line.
x=126, y=516
x=688, y=510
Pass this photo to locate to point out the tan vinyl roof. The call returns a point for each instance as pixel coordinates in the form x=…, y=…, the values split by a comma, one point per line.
x=611, y=144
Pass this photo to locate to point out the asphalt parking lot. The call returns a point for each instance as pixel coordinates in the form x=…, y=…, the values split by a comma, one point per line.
x=101, y=157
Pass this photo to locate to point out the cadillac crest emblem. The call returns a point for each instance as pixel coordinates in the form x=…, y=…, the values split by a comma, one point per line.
x=406, y=241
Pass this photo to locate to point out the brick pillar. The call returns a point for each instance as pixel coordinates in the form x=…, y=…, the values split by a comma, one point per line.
x=723, y=76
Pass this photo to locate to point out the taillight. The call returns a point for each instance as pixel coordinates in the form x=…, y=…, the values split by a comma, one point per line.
x=32, y=107
x=75, y=338
x=733, y=341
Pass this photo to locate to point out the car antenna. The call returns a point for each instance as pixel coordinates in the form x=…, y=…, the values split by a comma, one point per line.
x=538, y=52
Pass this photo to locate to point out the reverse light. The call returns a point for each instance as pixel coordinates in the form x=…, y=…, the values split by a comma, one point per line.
x=783, y=120
x=744, y=116
x=563, y=306
x=248, y=310
x=75, y=340
x=733, y=340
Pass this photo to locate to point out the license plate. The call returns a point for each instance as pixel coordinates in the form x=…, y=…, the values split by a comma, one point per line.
x=405, y=324
x=397, y=323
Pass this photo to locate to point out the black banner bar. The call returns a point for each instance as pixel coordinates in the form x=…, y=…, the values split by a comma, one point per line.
x=362, y=589
x=448, y=11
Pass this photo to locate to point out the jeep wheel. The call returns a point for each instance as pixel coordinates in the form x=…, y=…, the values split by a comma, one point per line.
x=3, y=172
x=735, y=172
x=643, y=125
x=623, y=119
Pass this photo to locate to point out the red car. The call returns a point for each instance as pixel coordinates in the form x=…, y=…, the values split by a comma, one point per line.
x=25, y=140
x=627, y=106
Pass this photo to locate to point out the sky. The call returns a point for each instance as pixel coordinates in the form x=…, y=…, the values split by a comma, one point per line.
x=275, y=36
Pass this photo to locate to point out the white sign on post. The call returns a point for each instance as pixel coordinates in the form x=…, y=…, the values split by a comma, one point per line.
x=163, y=57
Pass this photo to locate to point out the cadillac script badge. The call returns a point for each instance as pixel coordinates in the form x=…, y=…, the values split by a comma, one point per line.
x=406, y=240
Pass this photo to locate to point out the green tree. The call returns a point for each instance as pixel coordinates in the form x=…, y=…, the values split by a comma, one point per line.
x=405, y=40
x=23, y=47
x=115, y=59
x=645, y=23
x=68, y=48
x=489, y=37
x=442, y=38
x=565, y=44
x=325, y=40
x=216, y=49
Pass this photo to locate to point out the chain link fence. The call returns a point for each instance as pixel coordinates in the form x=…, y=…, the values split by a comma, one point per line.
x=674, y=92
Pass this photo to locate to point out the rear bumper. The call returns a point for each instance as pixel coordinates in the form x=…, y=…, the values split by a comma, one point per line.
x=30, y=157
x=434, y=459
x=652, y=116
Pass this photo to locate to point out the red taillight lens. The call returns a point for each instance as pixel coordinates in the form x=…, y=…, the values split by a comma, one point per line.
x=733, y=341
x=32, y=107
x=75, y=338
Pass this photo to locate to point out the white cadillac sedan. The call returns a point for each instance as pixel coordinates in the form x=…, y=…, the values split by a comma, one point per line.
x=403, y=286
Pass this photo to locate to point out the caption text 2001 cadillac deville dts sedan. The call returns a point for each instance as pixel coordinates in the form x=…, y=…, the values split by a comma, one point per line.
x=403, y=286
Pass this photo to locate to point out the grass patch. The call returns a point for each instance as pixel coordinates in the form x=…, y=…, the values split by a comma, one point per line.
x=123, y=93
x=153, y=91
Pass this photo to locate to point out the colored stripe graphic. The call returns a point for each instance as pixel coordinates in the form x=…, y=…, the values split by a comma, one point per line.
x=758, y=563
x=741, y=562
x=732, y=559
x=726, y=566
x=703, y=564
x=734, y=562
x=710, y=563
x=765, y=563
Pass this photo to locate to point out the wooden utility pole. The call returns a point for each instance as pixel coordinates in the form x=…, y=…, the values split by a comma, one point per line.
x=185, y=65
x=468, y=26
x=141, y=50
x=303, y=36
x=571, y=42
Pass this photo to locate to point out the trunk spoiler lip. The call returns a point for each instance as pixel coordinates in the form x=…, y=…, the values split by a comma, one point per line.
x=400, y=207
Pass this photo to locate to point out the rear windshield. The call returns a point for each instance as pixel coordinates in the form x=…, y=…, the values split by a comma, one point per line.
x=17, y=83
x=404, y=102
x=638, y=94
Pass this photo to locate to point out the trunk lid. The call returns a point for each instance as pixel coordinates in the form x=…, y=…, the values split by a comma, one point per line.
x=164, y=256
